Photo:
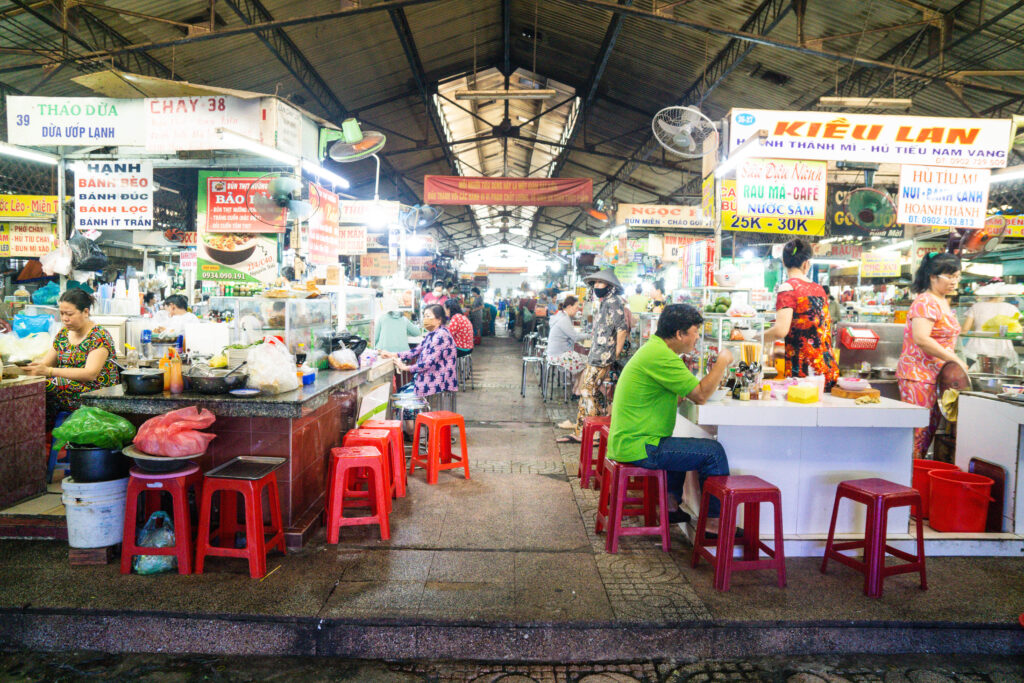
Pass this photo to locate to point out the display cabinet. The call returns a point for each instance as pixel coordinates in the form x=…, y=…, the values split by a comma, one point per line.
x=990, y=349
x=250, y=318
x=361, y=310
x=743, y=336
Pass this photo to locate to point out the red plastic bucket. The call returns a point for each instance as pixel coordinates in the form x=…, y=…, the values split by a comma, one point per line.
x=922, y=483
x=959, y=501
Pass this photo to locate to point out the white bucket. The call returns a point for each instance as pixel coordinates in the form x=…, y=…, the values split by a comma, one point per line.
x=95, y=512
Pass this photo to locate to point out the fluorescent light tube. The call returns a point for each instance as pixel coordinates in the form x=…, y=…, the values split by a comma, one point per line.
x=1006, y=174
x=502, y=94
x=29, y=154
x=322, y=173
x=239, y=141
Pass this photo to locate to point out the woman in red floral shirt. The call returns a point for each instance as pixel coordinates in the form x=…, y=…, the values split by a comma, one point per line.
x=459, y=326
x=802, y=319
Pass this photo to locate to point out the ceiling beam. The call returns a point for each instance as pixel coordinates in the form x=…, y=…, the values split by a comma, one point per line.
x=763, y=20
x=103, y=55
x=604, y=53
x=253, y=13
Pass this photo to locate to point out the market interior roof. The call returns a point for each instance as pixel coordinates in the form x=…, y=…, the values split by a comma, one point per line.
x=391, y=62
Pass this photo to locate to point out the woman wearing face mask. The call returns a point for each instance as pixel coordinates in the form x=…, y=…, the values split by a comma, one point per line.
x=82, y=357
x=610, y=332
x=433, y=366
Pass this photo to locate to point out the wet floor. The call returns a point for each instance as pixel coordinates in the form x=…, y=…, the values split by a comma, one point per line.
x=25, y=667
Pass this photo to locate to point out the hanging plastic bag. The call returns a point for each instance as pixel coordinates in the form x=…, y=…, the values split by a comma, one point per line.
x=158, y=533
x=87, y=254
x=46, y=296
x=94, y=427
x=272, y=368
x=175, y=434
x=58, y=261
x=24, y=325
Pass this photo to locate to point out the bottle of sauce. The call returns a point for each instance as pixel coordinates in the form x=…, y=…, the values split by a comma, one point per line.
x=165, y=367
x=300, y=354
x=177, y=380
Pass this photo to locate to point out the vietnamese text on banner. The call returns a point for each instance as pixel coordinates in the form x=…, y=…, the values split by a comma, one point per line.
x=439, y=189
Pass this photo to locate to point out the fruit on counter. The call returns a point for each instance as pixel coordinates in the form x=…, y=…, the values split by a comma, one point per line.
x=218, y=361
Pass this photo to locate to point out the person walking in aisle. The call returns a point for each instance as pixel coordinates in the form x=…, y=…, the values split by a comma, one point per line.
x=610, y=331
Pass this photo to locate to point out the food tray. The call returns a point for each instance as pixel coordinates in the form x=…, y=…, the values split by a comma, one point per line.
x=250, y=467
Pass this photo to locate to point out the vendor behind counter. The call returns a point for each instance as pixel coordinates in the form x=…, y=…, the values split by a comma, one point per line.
x=176, y=316
x=82, y=357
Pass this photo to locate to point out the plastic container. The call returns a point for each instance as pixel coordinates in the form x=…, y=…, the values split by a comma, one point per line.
x=95, y=512
x=90, y=465
x=922, y=483
x=959, y=501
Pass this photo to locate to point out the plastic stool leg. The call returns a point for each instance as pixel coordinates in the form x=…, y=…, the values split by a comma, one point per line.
x=920, y=553
x=254, y=542
x=831, y=533
x=465, y=447
x=752, y=527
x=726, y=541
x=780, y=553
x=615, y=503
x=182, y=527
x=128, y=538
x=661, y=481
x=276, y=524
x=380, y=509
x=203, y=538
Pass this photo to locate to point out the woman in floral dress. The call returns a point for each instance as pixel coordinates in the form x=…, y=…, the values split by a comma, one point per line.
x=432, y=362
x=82, y=357
x=802, y=319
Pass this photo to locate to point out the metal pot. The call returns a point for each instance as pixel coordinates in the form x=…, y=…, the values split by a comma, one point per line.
x=142, y=382
x=90, y=464
x=992, y=384
x=217, y=383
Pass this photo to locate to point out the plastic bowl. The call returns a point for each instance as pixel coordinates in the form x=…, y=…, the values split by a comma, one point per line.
x=853, y=383
x=1014, y=389
x=719, y=395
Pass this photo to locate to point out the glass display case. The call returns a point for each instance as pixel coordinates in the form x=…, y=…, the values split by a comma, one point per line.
x=743, y=336
x=991, y=348
x=250, y=318
x=361, y=310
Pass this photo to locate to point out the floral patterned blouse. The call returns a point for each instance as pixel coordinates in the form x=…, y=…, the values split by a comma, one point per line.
x=461, y=330
x=809, y=342
x=66, y=393
x=914, y=363
x=610, y=318
x=434, y=369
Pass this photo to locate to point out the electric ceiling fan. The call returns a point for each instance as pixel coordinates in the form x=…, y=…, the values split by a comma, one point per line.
x=685, y=131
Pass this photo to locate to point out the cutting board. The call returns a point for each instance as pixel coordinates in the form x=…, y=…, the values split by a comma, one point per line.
x=839, y=392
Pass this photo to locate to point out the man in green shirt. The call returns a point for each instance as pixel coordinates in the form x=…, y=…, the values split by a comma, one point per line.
x=644, y=409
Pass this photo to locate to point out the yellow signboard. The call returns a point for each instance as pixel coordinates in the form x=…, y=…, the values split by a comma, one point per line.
x=880, y=264
x=27, y=206
x=27, y=240
x=731, y=220
x=707, y=198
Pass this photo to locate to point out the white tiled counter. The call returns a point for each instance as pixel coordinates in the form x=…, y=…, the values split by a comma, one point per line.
x=806, y=450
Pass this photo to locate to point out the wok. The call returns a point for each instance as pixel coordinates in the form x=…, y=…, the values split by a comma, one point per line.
x=143, y=382
x=218, y=382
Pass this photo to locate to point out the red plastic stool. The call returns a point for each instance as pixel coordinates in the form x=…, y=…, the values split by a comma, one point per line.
x=241, y=477
x=615, y=502
x=150, y=486
x=439, y=426
x=590, y=429
x=381, y=440
x=398, y=473
x=879, y=496
x=732, y=491
x=354, y=459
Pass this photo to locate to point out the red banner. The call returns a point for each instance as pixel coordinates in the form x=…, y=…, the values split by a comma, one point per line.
x=324, y=231
x=443, y=189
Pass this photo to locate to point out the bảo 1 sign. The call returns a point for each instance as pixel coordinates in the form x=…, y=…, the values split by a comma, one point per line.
x=880, y=264
x=781, y=188
x=942, y=196
x=114, y=195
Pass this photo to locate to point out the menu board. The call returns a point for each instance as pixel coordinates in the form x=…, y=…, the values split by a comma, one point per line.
x=880, y=264
x=113, y=195
x=732, y=220
x=180, y=123
x=943, y=197
x=20, y=240
x=229, y=205
x=232, y=256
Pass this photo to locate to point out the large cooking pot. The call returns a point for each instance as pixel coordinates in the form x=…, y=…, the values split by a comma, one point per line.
x=141, y=382
x=993, y=384
x=217, y=382
x=89, y=464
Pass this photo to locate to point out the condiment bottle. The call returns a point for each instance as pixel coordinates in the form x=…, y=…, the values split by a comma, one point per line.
x=177, y=381
x=165, y=367
x=131, y=356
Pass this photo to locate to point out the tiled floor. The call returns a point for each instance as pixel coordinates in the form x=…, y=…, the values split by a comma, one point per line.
x=47, y=504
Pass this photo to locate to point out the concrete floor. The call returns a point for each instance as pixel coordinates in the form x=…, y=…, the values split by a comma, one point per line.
x=508, y=553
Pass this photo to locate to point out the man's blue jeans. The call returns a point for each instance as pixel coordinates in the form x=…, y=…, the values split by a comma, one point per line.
x=677, y=456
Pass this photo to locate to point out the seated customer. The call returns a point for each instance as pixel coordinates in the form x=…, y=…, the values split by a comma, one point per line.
x=644, y=410
x=460, y=328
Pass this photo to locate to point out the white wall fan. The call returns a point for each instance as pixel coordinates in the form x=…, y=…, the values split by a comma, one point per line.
x=685, y=132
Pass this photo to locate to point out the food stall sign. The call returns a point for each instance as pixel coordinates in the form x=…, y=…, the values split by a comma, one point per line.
x=1014, y=226
x=28, y=207
x=784, y=189
x=847, y=251
x=731, y=220
x=942, y=197
x=188, y=259
x=417, y=266
x=75, y=121
x=226, y=199
x=27, y=240
x=933, y=141
x=324, y=230
x=191, y=122
x=113, y=195
x=376, y=265
x=880, y=264
x=236, y=257
x=353, y=240
x=660, y=216
x=368, y=212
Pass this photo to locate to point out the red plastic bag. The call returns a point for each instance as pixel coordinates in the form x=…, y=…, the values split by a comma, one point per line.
x=176, y=434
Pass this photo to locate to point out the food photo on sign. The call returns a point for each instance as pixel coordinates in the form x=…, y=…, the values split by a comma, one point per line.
x=246, y=253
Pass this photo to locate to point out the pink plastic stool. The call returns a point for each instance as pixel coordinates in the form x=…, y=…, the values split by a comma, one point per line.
x=879, y=496
x=616, y=503
x=587, y=465
x=394, y=428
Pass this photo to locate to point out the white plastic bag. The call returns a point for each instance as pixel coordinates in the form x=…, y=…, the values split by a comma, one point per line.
x=343, y=359
x=272, y=368
x=58, y=261
x=25, y=349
